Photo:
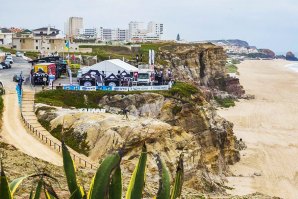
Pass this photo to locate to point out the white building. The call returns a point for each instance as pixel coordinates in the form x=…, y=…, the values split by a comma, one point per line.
x=6, y=36
x=155, y=28
x=137, y=32
x=90, y=33
x=73, y=26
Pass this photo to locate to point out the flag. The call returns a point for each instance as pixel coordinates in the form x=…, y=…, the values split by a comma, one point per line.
x=67, y=45
x=73, y=57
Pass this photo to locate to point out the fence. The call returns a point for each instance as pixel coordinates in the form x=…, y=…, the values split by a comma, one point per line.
x=56, y=146
x=117, y=88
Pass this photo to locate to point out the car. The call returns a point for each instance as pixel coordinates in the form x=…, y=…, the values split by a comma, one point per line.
x=19, y=54
x=9, y=59
x=8, y=54
x=5, y=64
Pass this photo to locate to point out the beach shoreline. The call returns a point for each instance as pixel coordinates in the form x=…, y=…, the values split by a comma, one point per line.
x=268, y=126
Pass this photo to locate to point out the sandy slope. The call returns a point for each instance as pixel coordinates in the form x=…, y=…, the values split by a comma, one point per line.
x=269, y=126
x=14, y=133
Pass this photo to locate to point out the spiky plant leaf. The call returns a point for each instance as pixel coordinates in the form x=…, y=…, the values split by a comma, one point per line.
x=137, y=181
x=101, y=181
x=70, y=173
x=5, y=192
x=177, y=188
x=115, y=190
x=164, y=190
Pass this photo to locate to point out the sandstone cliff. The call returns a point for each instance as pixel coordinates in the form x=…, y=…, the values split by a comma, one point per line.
x=198, y=63
x=169, y=124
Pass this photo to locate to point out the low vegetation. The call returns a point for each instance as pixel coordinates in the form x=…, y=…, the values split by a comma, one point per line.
x=104, y=52
x=106, y=183
x=91, y=99
x=225, y=102
x=232, y=68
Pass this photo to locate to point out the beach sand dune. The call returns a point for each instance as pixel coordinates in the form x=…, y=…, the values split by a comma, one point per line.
x=269, y=126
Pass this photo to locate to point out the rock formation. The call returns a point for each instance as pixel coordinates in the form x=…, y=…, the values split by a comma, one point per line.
x=291, y=57
x=169, y=126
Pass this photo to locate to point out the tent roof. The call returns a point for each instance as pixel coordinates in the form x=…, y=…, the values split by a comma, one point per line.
x=112, y=63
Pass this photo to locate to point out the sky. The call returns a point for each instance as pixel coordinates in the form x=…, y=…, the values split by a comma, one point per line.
x=269, y=24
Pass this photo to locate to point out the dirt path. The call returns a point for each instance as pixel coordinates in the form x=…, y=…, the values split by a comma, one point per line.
x=269, y=126
x=14, y=133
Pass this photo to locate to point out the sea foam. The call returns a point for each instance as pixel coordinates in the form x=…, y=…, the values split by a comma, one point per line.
x=293, y=67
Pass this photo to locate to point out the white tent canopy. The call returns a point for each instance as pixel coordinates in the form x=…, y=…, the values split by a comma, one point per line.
x=111, y=66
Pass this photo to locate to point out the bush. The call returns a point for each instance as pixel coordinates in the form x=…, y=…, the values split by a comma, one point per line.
x=226, y=102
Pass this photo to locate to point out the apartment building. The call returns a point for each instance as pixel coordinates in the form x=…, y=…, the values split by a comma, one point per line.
x=73, y=26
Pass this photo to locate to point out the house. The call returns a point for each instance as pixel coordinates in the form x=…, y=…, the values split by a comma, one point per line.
x=6, y=37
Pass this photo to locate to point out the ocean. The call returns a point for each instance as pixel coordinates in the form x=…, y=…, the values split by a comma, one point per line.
x=293, y=67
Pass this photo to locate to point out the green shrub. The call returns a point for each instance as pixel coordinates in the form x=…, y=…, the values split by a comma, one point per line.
x=226, y=102
x=75, y=140
x=231, y=68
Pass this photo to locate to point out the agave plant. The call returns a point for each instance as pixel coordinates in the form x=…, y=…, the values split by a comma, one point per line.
x=107, y=182
x=7, y=190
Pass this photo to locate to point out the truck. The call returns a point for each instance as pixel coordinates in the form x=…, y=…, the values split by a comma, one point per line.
x=146, y=75
x=40, y=73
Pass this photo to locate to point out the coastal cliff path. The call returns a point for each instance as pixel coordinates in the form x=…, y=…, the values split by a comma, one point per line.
x=14, y=132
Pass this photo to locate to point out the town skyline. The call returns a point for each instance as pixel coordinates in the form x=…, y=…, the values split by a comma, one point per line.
x=230, y=19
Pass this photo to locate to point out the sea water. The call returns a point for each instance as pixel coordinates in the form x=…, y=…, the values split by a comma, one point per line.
x=293, y=67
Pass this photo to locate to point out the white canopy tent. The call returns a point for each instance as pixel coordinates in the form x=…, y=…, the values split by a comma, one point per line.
x=111, y=66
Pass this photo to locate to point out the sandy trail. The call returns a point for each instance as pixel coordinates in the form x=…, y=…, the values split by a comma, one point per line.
x=14, y=133
x=269, y=126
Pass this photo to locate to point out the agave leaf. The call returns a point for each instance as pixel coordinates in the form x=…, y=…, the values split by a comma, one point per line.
x=5, y=192
x=137, y=181
x=115, y=190
x=50, y=192
x=38, y=189
x=177, y=188
x=164, y=190
x=70, y=173
x=101, y=181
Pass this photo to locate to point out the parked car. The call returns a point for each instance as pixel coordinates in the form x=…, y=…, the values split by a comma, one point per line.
x=5, y=64
x=8, y=54
x=18, y=54
x=9, y=59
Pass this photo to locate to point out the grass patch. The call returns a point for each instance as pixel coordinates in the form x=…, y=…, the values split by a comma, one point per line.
x=231, y=68
x=226, y=103
x=176, y=109
x=74, y=140
x=183, y=90
x=90, y=99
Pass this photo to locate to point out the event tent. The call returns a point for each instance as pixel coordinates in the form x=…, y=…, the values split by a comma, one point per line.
x=111, y=66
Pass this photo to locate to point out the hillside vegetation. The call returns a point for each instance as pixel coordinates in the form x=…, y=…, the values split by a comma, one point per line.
x=90, y=99
x=118, y=52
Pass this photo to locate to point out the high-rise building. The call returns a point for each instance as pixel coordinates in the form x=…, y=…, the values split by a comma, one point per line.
x=73, y=26
x=155, y=28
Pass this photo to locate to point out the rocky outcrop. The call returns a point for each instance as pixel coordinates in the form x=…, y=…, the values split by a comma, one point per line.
x=169, y=126
x=268, y=53
x=291, y=57
x=197, y=63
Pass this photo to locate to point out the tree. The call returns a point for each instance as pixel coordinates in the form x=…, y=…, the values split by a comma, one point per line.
x=178, y=37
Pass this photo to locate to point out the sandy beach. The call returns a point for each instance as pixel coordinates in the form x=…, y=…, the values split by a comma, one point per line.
x=268, y=125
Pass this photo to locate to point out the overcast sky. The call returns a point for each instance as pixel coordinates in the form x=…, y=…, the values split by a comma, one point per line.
x=264, y=23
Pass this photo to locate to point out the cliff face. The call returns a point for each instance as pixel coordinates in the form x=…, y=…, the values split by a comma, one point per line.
x=168, y=125
x=198, y=63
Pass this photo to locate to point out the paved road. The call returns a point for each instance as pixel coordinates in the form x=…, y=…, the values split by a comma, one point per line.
x=6, y=75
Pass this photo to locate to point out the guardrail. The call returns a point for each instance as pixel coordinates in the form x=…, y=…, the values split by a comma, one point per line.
x=54, y=145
